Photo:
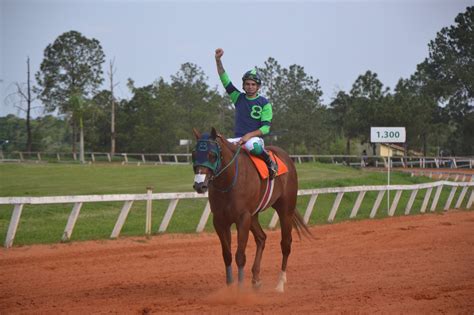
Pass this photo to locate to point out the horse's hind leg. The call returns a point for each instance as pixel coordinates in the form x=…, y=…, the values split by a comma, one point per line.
x=223, y=231
x=260, y=238
x=286, y=224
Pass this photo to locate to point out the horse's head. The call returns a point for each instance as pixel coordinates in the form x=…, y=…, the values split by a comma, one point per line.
x=206, y=158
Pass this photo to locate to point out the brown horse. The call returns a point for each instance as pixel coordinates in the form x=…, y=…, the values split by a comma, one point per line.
x=235, y=191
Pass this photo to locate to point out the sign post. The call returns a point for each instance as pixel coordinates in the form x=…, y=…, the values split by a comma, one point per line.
x=388, y=135
x=185, y=142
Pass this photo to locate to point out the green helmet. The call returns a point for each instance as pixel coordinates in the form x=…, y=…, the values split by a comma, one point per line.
x=252, y=75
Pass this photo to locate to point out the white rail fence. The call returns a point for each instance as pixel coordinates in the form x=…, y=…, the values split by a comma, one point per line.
x=180, y=158
x=149, y=197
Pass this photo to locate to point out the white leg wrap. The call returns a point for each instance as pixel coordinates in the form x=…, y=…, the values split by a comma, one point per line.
x=281, y=282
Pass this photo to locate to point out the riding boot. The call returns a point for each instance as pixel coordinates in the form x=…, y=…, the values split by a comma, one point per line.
x=272, y=166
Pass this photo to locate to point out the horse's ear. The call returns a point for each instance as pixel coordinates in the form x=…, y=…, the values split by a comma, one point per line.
x=213, y=133
x=197, y=134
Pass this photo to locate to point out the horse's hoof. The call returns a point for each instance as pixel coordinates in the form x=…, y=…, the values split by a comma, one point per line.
x=280, y=288
x=256, y=284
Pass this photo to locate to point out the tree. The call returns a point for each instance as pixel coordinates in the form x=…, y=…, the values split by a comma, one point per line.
x=299, y=104
x=448, y=75
x=369, y=98
x=363, y=108
x=22, y=99
x=97, y=122
x=449, y=68
x=271, y=77
x=49, y=133
x=71, y=65
x=112, y=105
x=345, y=118
x=416, y=111
x=78, y=105
x=196, y=104
x=151, y=120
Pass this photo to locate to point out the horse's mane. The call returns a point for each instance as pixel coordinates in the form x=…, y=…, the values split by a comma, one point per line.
x=227, y=144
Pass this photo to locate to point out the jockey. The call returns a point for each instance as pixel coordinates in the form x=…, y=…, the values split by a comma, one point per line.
x=253, y=113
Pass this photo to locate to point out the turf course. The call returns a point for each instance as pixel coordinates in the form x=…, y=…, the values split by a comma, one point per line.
x=46, y=223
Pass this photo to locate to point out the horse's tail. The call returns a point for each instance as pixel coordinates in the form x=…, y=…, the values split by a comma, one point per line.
x=300, y=226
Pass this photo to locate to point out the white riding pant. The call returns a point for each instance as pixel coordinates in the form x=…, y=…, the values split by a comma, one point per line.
x=249, y=145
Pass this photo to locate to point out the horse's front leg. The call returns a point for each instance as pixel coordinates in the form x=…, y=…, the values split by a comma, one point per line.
x=243, y=228
x=223, y=231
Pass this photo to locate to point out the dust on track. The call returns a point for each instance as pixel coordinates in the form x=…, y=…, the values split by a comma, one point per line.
x=409, y=264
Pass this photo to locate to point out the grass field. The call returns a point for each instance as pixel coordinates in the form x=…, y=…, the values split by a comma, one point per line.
x=46, y=223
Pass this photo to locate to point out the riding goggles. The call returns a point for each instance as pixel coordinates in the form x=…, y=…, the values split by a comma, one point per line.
x=207, y=153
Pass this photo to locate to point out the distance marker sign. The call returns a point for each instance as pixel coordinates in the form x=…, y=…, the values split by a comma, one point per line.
x=387, y=134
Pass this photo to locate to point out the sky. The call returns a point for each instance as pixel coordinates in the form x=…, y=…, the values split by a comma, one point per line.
x=335, y=41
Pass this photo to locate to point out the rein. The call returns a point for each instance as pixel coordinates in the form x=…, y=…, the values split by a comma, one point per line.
x=235, y=159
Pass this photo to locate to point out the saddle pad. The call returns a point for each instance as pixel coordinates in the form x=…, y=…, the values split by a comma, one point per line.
x=262, y=167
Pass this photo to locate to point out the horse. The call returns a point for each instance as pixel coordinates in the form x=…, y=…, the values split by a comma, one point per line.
x=235, y=190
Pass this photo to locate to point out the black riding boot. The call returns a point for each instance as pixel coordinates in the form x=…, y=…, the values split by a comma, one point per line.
x=272, y=166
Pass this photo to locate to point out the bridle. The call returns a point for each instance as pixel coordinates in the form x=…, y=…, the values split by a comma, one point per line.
x=215, y=167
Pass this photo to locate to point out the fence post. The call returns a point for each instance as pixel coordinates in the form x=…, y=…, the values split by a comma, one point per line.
x=204, y=218
x=71, y=221
x=169, y=213
x=394, y=205
x=436, y=198
x=450, y=198
x=310, y=207
x=15, y=220
x=121, y=219
x=357, y=204
x=273, y=221
x=410, y=201
x=461, y=198
x=471, y=200
x=149, y=191
x=426, y=200
x=335, y=206
x=377, y=202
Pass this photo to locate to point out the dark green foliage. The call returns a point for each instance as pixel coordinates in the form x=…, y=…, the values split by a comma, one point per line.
x=72, y=64
x=435, y=104
x=448, y=77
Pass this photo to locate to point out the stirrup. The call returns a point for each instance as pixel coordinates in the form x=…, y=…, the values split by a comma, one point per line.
x=272, y=170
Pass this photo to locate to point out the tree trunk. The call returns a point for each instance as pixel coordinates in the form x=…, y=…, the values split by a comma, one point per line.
x=74, y=136
x=425, y=149
x=81, y=141
x=374, y=149
x=112, y=120
x=348, y=150
x=28, y=111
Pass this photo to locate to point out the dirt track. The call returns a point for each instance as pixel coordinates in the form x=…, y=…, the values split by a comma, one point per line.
x=416, y=264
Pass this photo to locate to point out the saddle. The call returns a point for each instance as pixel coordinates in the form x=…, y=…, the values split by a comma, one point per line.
x=262, y=167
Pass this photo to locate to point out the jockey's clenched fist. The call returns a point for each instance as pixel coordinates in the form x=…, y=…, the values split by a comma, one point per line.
x=219, y=53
